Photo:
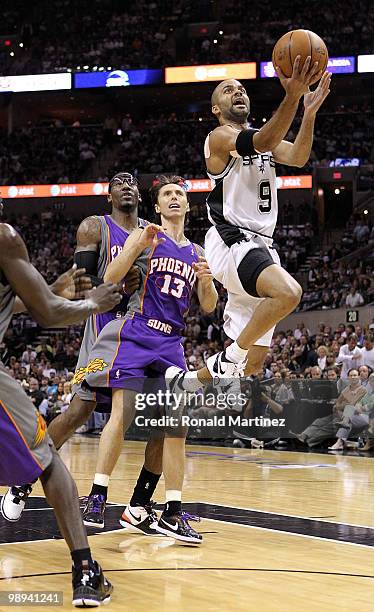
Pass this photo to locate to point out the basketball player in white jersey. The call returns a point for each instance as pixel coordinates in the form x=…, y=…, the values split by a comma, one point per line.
x=242, y=208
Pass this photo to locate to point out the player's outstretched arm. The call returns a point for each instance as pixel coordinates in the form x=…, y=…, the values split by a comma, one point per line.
x=136, y=243
x=48, y=309
x=273, y=132
x=71, y=285
x=298, y=153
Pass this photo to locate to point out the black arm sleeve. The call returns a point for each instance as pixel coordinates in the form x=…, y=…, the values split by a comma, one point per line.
x=89, y=261
x=244, y=142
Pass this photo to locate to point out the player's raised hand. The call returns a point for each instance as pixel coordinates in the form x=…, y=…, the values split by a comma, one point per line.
x=203, y=272
x=72, y=284
x=149, y=237
x=298, y=83
x=313, y=100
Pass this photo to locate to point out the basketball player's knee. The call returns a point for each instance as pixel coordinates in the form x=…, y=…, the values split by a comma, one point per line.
x=79, y=413
x=290, y=295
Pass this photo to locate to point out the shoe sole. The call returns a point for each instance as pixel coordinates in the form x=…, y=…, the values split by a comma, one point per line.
x=89, y=524
x=84, y=602
x=133, y=529
x=7, y=518
x=172, y=534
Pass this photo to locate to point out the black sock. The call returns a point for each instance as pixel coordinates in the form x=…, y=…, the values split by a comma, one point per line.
x=144, y=488
x=99, y=490
x=83, y=554
x=172, y=507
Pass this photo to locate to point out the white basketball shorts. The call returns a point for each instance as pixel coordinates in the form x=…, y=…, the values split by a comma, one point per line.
x=224, y=262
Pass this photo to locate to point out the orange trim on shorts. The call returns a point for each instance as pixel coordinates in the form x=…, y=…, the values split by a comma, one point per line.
x=115, y=356
x=146, y=279
x=21, y=435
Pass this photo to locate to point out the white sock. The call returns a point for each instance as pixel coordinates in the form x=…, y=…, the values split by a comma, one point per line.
x=235, y=354
x=173, y=495
x=191, y=383
x=102, y=480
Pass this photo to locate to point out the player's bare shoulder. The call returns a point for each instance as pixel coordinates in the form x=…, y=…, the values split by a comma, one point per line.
x=223, y=138
x=11, y=243
x=219, y=147
x=89, y=232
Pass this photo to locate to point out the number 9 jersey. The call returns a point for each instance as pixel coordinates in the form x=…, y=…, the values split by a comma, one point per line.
x=245, y=193
x=243, y=209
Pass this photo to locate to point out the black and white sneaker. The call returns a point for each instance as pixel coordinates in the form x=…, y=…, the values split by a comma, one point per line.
x=177, y=527
x=13, y=502
x=140, y=519
x=93, y=511
x=222, y=370
x=90, y=587
x=174, y=377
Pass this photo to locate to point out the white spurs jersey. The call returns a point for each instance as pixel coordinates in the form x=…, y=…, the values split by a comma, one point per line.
x=245, y=193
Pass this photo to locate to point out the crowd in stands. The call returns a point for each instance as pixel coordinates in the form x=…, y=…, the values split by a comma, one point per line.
x=56, y=153
x=46, y=154
x=253, y=33
x=336, y=281
x=110, y=33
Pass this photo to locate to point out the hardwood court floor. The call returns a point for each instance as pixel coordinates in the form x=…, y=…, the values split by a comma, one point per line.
x=289, y=532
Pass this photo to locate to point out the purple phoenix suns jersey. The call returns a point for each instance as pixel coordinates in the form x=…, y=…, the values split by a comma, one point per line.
x=113, y=238
x=167, y=287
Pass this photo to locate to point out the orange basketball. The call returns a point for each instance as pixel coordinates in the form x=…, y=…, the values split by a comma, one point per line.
x=303, y=43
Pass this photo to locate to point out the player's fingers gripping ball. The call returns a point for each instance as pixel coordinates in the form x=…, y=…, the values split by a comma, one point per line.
x=303, y=43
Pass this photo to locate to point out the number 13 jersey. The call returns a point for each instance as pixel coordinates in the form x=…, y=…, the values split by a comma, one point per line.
x=166, y=291
x=245, y=193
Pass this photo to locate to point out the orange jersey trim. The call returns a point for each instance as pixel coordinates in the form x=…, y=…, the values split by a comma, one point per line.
x=146, y=279
x=116, y=353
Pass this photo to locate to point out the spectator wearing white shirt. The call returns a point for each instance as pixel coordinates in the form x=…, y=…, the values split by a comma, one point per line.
x=354, y=298
x=300, y=331
x=322, y=353
x=350, y=356
x=28, y=355
x=368, y=351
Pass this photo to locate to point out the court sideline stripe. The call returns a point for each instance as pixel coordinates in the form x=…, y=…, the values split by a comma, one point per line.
x=201, y=569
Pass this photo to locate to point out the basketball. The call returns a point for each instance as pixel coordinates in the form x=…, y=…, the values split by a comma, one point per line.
x=303, y=43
